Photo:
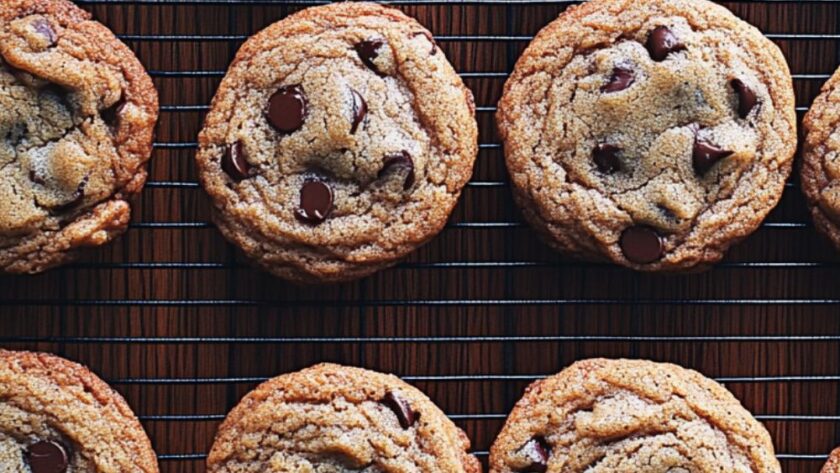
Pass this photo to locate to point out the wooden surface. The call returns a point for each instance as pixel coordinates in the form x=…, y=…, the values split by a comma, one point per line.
x=471, y=335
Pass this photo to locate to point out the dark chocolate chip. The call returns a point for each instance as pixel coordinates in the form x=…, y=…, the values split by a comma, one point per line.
x=536, y=451
x=360, y=109
x=287, y=108
x=662, y=42
x=605, y=156
x=405, y=414
x=46, y=457
x=234, y=162
x=747, y=99
x=621, y=79
x=704, y=155
x=641, y=245
x=368, y=50
x=43, y=28
x=316, y=201
x=400, y=160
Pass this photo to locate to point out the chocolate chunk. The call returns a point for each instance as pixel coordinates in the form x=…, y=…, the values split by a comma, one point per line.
x=368, y=50
x=287, y=108
x=360, y=109
x=403, y=160
x=234, y=162
x=405, y=414
x=747, y=99
x=537, y=452
x=641, y=245
x=704, y=155
x=621, y=79
x=42, y=26
x=316, y=202
x=605, y=156
x=662, y=42
x=46, y=457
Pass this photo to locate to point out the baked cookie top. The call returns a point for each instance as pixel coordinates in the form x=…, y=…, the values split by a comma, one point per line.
x=833, y=463
x=56, y=416
x=821, y=160
x=600, y=416
x=338, y=142
x=653, y=133
x=77, y=112
x=332, y=419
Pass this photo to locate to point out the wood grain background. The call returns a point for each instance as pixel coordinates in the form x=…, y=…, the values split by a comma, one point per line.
x=176, y=321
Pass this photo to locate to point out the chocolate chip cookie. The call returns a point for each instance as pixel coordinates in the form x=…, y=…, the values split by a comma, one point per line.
x=338, y=142
x=821, y=160
x=330, y=418
x=833, y=463
x=601, y=416
x=652, y=133
x=77, y=112
x=56, y=417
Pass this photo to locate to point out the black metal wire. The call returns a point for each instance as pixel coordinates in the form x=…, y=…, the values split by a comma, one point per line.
x=411, y=302
x=476, y=265
x=459, y=265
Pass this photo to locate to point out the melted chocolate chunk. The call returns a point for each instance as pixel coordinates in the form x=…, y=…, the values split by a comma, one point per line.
x=705, y=155
x=316, y=202
x=360, y=110
x=42, y=26
x=605, y=156
x=747, y=99
x=287, y=108
x=621, y=79
x=661, y=42
x=641, y=245
x=537, y=452
x=405, y=414
x=368, y=51
x=399, y=160
x=234, y=162
x=46, y=457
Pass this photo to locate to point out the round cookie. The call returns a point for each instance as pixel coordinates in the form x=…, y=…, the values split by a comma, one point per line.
x=332, y=419
x=337, y=143
x=56, y=416
x=833, y=463
x=821, y=160
x=77, y=113
x=652, y=133
x=602, y=416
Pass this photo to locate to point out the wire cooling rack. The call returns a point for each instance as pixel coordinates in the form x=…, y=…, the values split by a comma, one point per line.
x=183, y=327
